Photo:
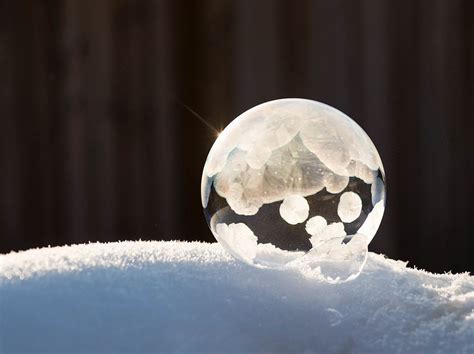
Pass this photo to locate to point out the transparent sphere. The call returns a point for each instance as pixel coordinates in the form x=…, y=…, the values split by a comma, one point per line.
x=295, y=182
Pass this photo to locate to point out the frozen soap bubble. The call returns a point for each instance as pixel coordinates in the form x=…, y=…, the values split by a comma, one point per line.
x=295, y=182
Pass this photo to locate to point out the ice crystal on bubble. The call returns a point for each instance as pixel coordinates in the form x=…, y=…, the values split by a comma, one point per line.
x=295, y=182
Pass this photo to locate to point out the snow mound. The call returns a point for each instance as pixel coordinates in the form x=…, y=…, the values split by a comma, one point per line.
x=189, y=297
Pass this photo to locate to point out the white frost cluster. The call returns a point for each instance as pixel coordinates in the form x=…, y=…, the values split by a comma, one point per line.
x=287, y=147
x=349, y=207
x=193, y=297
x=238, y=239
x=294, y=209
x=320, y=231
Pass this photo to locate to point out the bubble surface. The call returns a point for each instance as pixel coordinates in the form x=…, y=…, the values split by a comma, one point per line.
x=295, y=181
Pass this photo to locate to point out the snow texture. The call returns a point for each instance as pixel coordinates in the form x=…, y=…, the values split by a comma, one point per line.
x=190, y=297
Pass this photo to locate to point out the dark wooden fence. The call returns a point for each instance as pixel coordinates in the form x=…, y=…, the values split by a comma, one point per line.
x=95, y=147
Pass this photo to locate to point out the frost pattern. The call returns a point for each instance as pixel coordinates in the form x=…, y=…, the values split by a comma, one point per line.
x=294, y=209
x=238, y=239
x=316, y=225
x=273, y=151
x=350, y=206
x=334, y=230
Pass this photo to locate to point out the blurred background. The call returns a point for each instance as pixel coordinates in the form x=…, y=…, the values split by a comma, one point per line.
x=94, y=145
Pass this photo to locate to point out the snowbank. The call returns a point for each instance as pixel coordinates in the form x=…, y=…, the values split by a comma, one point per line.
x=188, y=297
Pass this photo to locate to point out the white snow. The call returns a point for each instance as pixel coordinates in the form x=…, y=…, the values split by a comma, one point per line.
x=194, y=297
x=294, y=209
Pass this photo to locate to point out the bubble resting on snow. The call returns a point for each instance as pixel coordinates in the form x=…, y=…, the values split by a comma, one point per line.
x=295, y=180
x=334, y=260
x=331, y=259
